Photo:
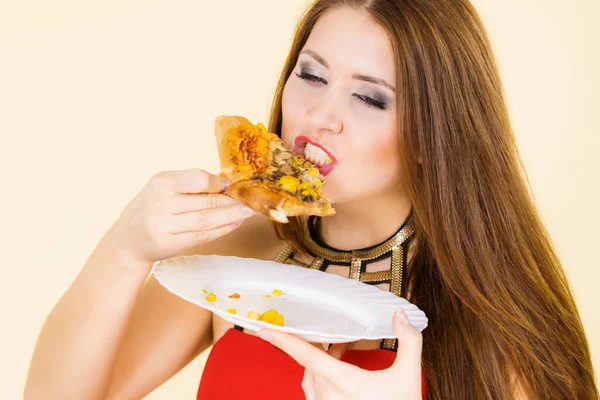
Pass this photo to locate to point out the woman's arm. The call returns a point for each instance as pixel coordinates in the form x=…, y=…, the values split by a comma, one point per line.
x=79, y=341
x=165, y=333
x=101, y=323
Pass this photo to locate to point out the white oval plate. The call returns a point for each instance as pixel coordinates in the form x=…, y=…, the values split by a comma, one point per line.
x=317, y=306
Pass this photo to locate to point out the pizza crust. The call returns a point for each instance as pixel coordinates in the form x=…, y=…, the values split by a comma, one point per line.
x=268, y=199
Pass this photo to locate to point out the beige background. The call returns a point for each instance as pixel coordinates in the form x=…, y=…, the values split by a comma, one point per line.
x=95, y=97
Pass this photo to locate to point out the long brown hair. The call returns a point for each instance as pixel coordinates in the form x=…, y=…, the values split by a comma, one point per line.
x=485, y=271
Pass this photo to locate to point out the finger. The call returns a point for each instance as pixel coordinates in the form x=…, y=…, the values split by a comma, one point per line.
x=307, y=355
x=193, y=181
x=195, y=202
x=308, y=385
x=189, y=239
x=208, y=219
x=410, y=342
x=337, y=350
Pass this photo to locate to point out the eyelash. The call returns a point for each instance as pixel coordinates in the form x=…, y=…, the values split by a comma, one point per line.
x=369, y=102
x=310, y=78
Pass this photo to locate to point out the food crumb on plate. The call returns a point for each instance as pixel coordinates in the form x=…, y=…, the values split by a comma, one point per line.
x=271, y=317
x=211, y=297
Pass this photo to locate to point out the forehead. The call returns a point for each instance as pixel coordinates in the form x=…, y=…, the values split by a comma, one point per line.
x=351, y=40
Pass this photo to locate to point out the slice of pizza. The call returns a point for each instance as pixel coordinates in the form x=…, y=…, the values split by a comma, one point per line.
x=264, y=175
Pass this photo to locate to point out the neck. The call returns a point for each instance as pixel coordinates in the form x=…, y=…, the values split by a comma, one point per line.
x=365, y=223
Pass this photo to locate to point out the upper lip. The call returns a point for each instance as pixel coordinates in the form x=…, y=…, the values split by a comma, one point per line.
x=300, y=144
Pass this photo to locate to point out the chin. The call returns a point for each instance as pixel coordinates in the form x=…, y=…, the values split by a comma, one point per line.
x=339, y=195
x=340, y=188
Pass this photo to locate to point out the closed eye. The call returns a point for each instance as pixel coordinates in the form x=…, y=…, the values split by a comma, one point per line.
x=310, y=78
x=371, y=102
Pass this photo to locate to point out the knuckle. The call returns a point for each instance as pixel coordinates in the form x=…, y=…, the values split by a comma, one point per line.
x=212, y=201
x=160, y=178
x=203, y=219
x=202, y=177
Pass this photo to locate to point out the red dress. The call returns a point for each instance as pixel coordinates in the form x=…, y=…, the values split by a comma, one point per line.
x=242, y=366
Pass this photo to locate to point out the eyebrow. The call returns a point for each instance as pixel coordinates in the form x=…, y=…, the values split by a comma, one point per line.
x=374, y=80
x=317, y=57
x=360, y=77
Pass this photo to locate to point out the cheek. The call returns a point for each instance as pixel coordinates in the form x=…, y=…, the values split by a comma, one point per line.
x=387, y=153
x=389, y=170
x=378, y=161
x=388, y=150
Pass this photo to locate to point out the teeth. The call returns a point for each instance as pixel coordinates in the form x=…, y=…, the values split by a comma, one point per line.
x=316, y=155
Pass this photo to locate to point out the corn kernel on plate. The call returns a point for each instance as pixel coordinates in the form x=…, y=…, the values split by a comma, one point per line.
x=316, y=306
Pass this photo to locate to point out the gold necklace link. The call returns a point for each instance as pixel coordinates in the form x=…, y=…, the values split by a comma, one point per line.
x=355, y=267
x=317, y=262
x=339, y=256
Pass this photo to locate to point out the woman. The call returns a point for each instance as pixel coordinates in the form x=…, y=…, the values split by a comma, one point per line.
x=405, y=95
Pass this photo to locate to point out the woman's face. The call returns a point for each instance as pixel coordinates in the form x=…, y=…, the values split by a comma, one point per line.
x=341, y=100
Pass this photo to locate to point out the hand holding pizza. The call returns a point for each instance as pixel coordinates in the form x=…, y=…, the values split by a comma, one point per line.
x=175, y=211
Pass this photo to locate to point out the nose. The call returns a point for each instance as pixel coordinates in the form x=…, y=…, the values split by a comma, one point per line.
x=326, y=116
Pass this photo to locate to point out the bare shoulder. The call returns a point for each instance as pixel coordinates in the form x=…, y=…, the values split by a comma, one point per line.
x=255, y=238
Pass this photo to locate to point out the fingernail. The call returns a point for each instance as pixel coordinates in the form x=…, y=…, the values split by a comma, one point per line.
x=225, y=184
x=266, y=336
x=247, y=210
x=402, y=316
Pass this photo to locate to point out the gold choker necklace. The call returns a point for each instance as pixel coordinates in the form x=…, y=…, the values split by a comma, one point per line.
x=358, y=259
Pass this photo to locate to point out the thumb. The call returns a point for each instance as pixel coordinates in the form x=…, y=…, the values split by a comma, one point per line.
x=410, y=341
